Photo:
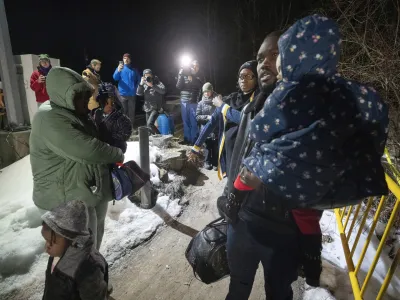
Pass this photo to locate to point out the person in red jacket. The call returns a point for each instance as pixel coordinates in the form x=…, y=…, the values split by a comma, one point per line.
x=38, y=79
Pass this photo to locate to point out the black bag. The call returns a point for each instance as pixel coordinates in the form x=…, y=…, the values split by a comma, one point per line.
x=206, y=252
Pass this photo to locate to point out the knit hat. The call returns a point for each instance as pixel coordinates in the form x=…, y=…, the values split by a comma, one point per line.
x=126, y=55
x=147, y=71
x=207, y=87
x=44, y=57
x=70, y=220
x=251, y=65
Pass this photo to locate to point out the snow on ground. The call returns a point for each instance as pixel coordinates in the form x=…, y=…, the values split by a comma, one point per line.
x=22, y=261
x=333, y=252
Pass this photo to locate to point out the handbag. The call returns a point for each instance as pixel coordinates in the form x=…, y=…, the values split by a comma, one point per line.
x=127, y=179
x=206, y=252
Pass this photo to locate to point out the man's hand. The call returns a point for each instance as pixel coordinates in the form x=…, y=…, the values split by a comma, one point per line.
x=208, y=118
x=150, y=84
x=195, y=159
x=120, y=67
x=142, y=81
x=217, y=101
x=190, y=78
x=41, y=79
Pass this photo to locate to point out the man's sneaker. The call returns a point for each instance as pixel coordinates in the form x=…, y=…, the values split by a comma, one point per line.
x=215, y=168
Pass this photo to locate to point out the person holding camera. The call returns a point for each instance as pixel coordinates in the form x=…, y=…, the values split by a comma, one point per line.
x=92, y=75
x=190, y=84
x=38, y=79
x=153, y=91
x=128, y=80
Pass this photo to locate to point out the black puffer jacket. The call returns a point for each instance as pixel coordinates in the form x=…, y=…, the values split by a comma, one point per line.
x=190, y=90
x=81, y=274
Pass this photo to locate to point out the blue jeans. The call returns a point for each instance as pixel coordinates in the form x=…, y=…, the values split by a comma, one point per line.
x=190, y=129
x=278, y=255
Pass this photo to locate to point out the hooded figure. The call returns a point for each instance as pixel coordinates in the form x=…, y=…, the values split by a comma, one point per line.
x=68, y=161
x=75, y=270
x=38, y=79
x=320, y=137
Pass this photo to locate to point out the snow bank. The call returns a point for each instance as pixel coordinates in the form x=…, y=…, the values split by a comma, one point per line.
x=333, y=252
x=22, y=261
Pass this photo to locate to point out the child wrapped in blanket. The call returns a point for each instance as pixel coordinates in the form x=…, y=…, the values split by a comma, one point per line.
x=319, y=138
x=114, y=127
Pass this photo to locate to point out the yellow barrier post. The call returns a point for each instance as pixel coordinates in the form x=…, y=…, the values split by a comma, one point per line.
x=359, y=290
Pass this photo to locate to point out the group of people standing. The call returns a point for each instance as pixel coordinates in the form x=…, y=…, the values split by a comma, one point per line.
x=296, y=138
x=79, y=135
x=130, y=85
x=292, y=142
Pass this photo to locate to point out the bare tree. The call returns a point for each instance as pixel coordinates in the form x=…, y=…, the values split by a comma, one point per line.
x=371, y=51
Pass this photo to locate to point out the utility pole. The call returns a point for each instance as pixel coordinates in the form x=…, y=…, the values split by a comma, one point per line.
x=8, y=73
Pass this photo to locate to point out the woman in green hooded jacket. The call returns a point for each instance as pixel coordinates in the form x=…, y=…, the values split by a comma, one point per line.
x=68, y=161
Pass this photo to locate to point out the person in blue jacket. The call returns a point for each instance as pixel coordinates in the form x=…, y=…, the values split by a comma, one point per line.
x=128, y=80
x=226, y=117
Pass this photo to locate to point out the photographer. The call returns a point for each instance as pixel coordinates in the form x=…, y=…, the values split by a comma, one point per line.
x=190, y=84
x=153, y=91
x=128, y=79
x=38, y=79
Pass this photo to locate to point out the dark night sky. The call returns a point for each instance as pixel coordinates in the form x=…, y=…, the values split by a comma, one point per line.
x=154, y=32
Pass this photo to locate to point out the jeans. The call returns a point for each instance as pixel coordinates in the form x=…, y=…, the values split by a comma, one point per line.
x=190, y=129
x=278, y=253
x=97, y=216
x=129, y=106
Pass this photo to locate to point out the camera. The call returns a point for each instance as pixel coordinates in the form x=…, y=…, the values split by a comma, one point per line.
x=187, y=71
x=149, y=79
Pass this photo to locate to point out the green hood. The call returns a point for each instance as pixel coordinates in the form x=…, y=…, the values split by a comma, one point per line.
x=63, y=84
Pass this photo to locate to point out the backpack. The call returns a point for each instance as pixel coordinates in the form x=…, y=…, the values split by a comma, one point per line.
x=127, y=179
x=206, y=252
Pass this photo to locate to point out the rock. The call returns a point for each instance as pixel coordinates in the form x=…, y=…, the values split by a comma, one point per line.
x=161, y=141
x=163, y=175
x=172, y=159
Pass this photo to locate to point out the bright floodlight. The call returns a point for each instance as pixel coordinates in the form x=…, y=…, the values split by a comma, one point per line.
x=185, y=60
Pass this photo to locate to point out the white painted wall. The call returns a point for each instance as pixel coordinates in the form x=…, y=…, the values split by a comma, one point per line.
x=29, y=64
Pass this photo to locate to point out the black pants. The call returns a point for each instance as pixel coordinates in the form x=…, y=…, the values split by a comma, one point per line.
x=212, y=155
x=151, y=118
x=278, y=253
